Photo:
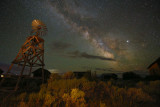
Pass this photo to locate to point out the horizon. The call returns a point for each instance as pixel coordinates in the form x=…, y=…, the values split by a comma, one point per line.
x=98, y=72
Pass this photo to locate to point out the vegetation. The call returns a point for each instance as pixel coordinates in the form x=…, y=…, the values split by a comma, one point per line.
x=67, y=91
x=130, y=76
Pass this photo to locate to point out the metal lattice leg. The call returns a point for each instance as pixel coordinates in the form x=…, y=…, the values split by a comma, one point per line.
x=20, y=76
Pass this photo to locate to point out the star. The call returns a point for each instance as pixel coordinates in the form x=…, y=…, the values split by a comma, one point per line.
x=127, y=41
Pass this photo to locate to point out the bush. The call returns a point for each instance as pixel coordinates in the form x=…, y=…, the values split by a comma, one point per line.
x=68, y=75
x=75, y=98
x=109, y=76
x=59, y=92
x=152, y=78
x=122, y=97
x=130, y=76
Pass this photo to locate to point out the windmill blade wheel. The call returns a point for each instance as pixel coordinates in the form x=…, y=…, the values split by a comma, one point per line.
x=39, y=28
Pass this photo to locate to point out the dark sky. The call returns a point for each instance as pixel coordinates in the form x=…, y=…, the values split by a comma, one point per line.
x=105, y=35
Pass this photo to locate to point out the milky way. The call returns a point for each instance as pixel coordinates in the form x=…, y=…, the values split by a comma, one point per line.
x=124, y=31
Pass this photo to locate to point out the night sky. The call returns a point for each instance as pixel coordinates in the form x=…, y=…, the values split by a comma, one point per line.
x=109, y=36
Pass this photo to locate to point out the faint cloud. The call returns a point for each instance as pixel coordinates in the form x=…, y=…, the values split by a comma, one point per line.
x=60, y=45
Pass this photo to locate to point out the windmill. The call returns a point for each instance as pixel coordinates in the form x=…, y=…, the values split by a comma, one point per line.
x=31, y=53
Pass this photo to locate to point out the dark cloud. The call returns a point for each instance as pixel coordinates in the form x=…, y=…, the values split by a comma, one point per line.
x=88, y=56
x=60, y=45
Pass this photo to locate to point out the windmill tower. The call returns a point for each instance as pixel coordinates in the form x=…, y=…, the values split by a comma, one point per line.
x=31, y=53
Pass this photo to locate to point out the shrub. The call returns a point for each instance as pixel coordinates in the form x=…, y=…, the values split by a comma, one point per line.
x=75, y=98
x=60, y=92
x=68, y=75
x=54, y=76
x=130, y=76
x=109, y=76
x=152, y=77
x=122, y=97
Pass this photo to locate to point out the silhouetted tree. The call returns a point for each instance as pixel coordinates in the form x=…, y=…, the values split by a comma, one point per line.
x=130, y=76
x=109, y=76
x=152, y=77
